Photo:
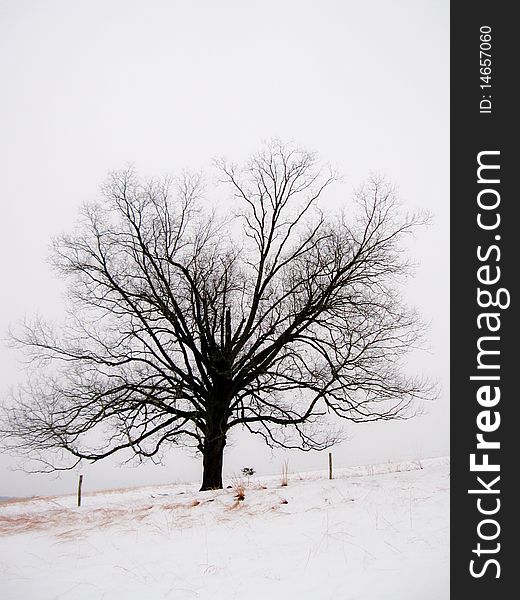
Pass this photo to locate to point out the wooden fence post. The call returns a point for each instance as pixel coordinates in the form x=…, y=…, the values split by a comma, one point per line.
x=330, y=465
x=80, y=483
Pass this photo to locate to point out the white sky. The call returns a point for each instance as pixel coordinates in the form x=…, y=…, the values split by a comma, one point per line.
x=88, y=86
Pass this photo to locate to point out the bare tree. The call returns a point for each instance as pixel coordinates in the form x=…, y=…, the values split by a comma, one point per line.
x=183, y=325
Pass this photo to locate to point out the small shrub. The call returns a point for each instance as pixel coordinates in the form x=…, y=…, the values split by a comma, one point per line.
x=248, y=472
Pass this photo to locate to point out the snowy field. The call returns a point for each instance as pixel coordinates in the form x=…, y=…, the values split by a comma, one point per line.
x=373, y=533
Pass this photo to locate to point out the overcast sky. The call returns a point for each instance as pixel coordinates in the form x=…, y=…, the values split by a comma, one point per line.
x=88, y=86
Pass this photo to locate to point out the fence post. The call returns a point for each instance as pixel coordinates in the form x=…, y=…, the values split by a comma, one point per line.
x=80, y=483
x=330, y=465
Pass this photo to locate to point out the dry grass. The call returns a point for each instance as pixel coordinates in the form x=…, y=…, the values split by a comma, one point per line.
x=159, y=489
x=237, y=504
x=60, y=519
x=65, y=523
x=179, y=505
x=239, y=491
x=22, y=523
x=12, y=501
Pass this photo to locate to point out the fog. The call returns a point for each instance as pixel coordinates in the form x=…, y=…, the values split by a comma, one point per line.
x=91, y=86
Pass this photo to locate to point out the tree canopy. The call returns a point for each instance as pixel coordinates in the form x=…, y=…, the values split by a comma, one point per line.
x=185, y=322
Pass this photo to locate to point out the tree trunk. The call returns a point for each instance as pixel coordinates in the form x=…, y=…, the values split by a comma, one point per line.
x=213, y=457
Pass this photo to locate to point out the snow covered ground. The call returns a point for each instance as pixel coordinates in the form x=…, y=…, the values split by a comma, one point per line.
x=379, y=532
